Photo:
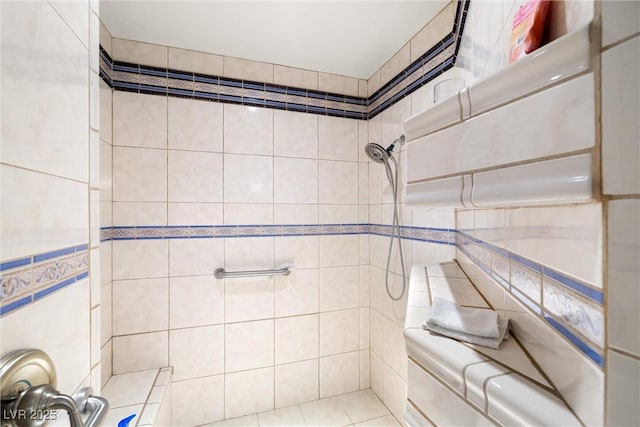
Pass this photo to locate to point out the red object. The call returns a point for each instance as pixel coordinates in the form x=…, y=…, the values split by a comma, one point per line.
x=528, y=27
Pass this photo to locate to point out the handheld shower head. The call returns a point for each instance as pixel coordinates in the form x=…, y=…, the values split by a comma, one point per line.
x=379, y=154
x=376, y=152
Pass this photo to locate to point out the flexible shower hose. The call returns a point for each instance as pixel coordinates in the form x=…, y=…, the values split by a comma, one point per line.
x=395, y=231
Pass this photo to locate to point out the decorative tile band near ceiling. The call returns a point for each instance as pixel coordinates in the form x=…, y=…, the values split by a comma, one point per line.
x=573, y=308
x=167, y=82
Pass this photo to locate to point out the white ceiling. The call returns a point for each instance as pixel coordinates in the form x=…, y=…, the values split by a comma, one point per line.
x=353, y=38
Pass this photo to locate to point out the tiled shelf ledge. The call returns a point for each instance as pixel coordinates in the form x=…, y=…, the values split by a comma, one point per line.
x=144, y=394
x=489, y=144
x=454, y=383
x=551, y=64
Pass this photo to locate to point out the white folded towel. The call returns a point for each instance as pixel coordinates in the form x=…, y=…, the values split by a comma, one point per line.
x=474, y=325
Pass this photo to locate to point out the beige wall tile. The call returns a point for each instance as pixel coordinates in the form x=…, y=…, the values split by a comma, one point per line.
x=624, y=275
x=188, y=170
x=302, y=251
x=397, y=63
x=296, y=383
x=248, y=70
x=247, y=299
x=363, y=90
x=295, y=214
x=139, y=174
x=105, y=39
x=339, y=288
x=337, y=182
x=67, y=344
x=139, y=53
x=139, y=213
x=248, y=130
x=374, y=83
x=248, y=179
x=395, y=391
x=335, y=83
x=45, y=137
x=248, y=213
x=195, y=301
x=338, y=214
x=568, y=238
x=248, y=253
x=194, y=125
x=106, y=317
x=296, y=338
x=75, y=15
x=338, y=138
x=339, y=374
x=295, y=180
x=393, y=348
x=620, y=109
x=296, y=77
x=191, y=257
x=196, y=352
x=297, y=293
x=140, y=306
x=248, y=392
x=295, y=134
x=94, y=41
x=35, y=221
x=139, y=259
x=338, y=250
x=623, y=374
x=338, y=332
x=139, y=120
x=249, y=345
x=197, y=62
x=106, y=112
x=197, y=401
x=194, y=213
x=140, y=352
x=105, y=363
x=376, y=374
x=619, y=20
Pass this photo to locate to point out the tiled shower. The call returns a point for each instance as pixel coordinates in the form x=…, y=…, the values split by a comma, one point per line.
x=163, y=164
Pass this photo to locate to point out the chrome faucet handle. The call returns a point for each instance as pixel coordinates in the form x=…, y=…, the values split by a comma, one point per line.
x=93, y=406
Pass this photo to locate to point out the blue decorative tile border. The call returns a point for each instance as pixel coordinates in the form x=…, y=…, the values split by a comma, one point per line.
x=145, y=79
x=573, y=308
x=432, y=235
x=28, y=279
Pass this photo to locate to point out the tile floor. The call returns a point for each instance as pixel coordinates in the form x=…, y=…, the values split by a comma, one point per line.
x=360, y=408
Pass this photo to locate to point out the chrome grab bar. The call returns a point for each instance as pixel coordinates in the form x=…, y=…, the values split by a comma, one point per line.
x=220, y=273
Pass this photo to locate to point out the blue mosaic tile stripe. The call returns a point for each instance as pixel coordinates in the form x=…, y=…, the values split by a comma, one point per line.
x=594, y=355
x=144, y=79
x=573, y=308
x=106, y=67
x=156, y=81
x=28, y=279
